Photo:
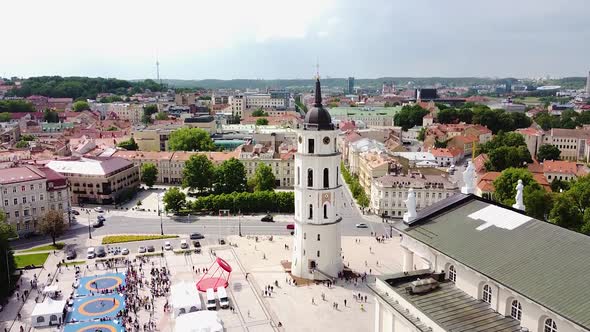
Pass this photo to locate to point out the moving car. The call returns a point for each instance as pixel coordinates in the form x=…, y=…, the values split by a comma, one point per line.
x=76, y=212
x=100, y=217
x=141, y=250
x=362, y=225
x=183, y=244
x=124, y=251
x=90, y=253
x=98, y=224
x=100, y=252
x=71, y=254
x=151, y=249
x=222, y=296
x=197, y=236
x=197, y=244
x=290, y=226
x=221, y=241
x=98, y=209
x=267, y=218
x=167, y=245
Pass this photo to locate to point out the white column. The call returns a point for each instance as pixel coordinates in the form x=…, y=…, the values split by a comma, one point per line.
x=377, y=315
x=408, y=260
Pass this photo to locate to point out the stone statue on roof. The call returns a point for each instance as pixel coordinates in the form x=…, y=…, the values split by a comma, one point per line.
x=411, y=206
x=519, y=196
x=468, y=179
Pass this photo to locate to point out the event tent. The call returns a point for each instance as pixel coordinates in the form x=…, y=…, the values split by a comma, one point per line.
x=48, y=313
x=200, y=321
x=185, y=298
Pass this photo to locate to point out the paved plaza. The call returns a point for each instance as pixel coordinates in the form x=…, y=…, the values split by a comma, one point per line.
x=256, y=263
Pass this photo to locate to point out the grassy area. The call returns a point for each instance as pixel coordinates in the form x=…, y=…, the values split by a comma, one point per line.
x=49, y=247
x=110, y=239
x=31, y=259
x=73, y=263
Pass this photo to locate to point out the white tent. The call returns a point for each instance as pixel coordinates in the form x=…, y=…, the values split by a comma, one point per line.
x=185, y=298
x=48, y=313
x=200, y=321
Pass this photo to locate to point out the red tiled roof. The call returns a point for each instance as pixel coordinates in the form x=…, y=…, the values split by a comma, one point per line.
x=560, y=166
x=450, y=152
x=20, y=174
x=486, y=182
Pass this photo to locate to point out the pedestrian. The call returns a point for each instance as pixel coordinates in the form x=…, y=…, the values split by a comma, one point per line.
x=312, y=301
x=345, y=302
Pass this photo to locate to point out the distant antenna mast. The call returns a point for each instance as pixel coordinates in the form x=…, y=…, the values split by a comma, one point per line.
x=158, y=70
x=317, y=68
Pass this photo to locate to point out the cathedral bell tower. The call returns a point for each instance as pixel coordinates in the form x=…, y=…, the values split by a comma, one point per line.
x=316, y=247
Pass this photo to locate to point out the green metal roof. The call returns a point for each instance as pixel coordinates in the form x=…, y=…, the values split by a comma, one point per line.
x=541, y=261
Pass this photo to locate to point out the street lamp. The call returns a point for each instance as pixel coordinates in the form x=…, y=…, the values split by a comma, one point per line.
x=160, y=213
x=240, y=223
x=89, y=232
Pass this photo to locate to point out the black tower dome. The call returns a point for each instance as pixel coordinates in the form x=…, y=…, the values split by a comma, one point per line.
x=318, y=118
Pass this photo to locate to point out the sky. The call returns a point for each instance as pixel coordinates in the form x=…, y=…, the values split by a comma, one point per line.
x=226, y=39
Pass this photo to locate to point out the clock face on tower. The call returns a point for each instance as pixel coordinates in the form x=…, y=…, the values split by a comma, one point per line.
x=326, y=140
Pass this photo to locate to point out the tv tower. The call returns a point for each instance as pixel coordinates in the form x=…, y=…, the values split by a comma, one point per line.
x=158, y=71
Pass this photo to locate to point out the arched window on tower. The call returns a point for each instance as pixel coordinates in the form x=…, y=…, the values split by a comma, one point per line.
x=310, y=145
x=310, y=177
x=337, y=174
x=310, y=216
x=298, y=175
x=326, y=178
x=325, y=211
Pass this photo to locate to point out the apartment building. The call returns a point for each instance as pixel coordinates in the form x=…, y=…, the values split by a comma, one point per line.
x=563, y=170
x=374, y=164
x=446, y=157
x=9, y=133
x=389, y=192
x=185, y=98
x=272, y=99
x=155, y=137
x=572, y=143
x=125, y=111
x=97, y=180
x=279, y=159
x=28, y=192
x=371, y=116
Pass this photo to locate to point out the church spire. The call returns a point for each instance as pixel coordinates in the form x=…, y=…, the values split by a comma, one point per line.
x=318, y=93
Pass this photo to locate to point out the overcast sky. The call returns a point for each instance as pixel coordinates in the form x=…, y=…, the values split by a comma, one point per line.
x=198, y=39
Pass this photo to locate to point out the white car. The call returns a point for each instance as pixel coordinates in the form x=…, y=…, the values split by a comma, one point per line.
x=124, y=251
x=361, y=225
x=183, y=244
x=141, y=250
x=98, y=209
x=167, y=245
x=90, y=253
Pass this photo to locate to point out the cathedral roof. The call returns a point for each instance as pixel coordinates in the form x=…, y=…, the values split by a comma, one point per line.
x=318, y=118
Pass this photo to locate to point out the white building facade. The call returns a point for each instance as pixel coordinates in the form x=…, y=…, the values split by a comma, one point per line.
x=318, y=192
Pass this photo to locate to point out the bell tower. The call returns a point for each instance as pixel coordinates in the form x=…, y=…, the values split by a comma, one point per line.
x=318, y=196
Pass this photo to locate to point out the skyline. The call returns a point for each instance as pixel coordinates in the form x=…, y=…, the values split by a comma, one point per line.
x=270, y=40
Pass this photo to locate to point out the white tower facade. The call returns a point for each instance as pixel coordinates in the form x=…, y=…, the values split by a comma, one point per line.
x=318, y=197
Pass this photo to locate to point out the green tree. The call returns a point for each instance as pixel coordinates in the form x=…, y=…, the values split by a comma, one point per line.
x=7, y=266
x=505, y=185
x=262, y=122
x=230, y=177
x=259, y=112
x=409, y=116
x=422, y=134
x=149, y=174
x=161, y=116
x=5, y=117
x=27, y=137
x=558, y=185
x=129, y=145
x=538, y=203
x=190, y=139
x=198, y=173
x=16, y=106
x=148, y=110
x=263, y=179
x=174, y=199
x=80, y=106
x=571, y=207
x=50, y=116
x=548, y=152
x=22, y=144
x=52, y=224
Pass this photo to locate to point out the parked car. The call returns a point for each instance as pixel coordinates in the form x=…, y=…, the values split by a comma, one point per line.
x=90, y=253
x=290, y=226
x=221, y=241
x=197, y=236
x=167, y=245
x=362, y=225
x=183, y=244
x=98, y=209
x=267, y=218
x=76, y=212
x=100, y=217
x=124, y=251
x=141, y=250
x=197, y=244
x=98, y=224
x=151, y=249
x=100, y=252
x=71, y=254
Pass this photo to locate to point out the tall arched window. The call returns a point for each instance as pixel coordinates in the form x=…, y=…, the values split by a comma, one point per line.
x=318, y=237
x=325, y=211
x=337, y=174
x=326, y=178
x=550, y=325
x=310, y=177
x=310, y=215
x=452, y=273
x=487, y=294
x=298, y=175
x=516, y=310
